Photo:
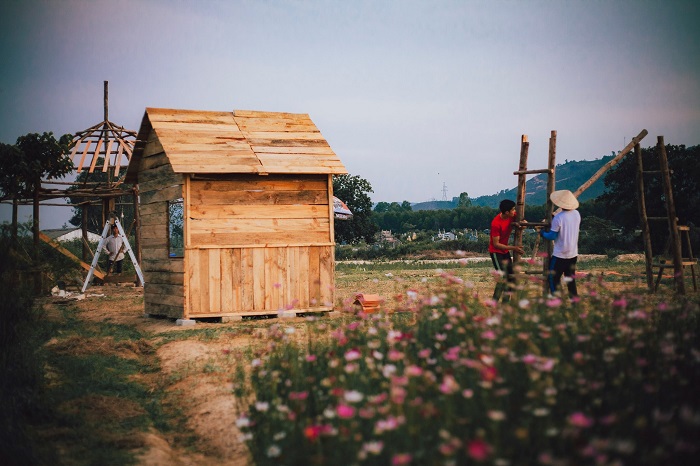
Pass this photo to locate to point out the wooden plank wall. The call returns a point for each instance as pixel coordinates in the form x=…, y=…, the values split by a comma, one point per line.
x=254, y=210
x=164, y=290
x=259, y=244
x=259, y=280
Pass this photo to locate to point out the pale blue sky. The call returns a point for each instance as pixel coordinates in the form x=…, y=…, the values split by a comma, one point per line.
x=409, y=94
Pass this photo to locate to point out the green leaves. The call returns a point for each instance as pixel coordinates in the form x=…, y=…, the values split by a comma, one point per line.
x=33, y=157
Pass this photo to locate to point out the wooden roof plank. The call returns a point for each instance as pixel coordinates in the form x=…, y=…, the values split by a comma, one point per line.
x=321, y=150
x=242, y=141
x=95, y=156
x=118, y=160
x=82, y=158
x=108, y=156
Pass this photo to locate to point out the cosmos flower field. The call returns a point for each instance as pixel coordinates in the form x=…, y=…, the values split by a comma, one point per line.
x=449, y=379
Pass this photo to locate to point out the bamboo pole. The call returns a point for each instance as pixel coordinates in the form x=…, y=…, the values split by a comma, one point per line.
x=520, y=200
x=549, y=206
x=672, y=220
x=601, y=171
x=641, y=204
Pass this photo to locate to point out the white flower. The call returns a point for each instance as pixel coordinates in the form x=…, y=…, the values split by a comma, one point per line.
x=353, y=396
x=262, y=406
x=279, y=436
x=242, y=422
x=388, y=370
x=273, y=451
x=491, y=321
x=374, y=447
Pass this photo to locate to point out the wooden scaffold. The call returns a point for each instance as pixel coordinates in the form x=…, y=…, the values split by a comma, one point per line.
x=103, y=151
x=672, y=256
x=523, y=171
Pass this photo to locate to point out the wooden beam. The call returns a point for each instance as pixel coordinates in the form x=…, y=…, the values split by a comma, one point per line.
x=601, y=171
x=69, y=254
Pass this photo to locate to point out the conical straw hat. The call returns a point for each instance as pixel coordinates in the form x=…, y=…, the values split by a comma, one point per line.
x=564, y=199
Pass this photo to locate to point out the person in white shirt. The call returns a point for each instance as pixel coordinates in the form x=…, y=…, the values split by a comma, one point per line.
x=564, y=232
x=113, y=246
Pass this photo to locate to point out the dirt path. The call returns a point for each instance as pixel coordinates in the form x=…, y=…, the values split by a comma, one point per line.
x=195, y=376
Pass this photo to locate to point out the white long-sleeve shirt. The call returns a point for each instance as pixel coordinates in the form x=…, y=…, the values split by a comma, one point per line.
x=112, y=245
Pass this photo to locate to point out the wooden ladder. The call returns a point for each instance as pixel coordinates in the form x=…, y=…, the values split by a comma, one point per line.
x=520, y=202
x=673, y=244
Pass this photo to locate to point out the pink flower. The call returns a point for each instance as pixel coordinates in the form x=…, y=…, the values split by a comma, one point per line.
x=310, y=357
x=395, y=355
x=390, y=423
x=401, y=458
x=529, y=359
x=398, y=395
x=424, y=353
x=578, y=419
x=452, y=354
x=622, y=302
x=366, y=413
x=352, y=355
x=554, y=302
x=344, y=411
x=478, y=450
x=449, y=385
x=298, y=395
x=353, y=325
x=488, y=335
x=545, y=365
x=413, y=370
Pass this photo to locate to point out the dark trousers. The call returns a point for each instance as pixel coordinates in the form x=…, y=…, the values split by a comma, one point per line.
x=559, y=267
x=503, y=263
x=114, y=267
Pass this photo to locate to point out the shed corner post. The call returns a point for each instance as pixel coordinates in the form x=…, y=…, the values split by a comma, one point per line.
x=186, y=248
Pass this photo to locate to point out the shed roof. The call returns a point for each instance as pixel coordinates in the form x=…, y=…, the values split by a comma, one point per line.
x=241, y=141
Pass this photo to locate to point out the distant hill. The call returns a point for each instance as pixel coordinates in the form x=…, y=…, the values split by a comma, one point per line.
x=570, y=175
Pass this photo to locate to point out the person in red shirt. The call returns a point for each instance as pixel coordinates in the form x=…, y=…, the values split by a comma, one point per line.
x=499, y=250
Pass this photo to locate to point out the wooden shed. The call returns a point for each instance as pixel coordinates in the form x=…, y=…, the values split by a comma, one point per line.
x=236, y=213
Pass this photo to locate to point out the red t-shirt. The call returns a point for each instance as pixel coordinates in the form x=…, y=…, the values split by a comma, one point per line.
x=501, y=227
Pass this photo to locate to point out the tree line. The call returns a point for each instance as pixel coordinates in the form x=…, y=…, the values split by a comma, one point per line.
x=40, y=156
x=614, y=211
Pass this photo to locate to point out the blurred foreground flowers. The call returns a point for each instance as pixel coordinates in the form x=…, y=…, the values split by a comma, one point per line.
x=607, y=380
